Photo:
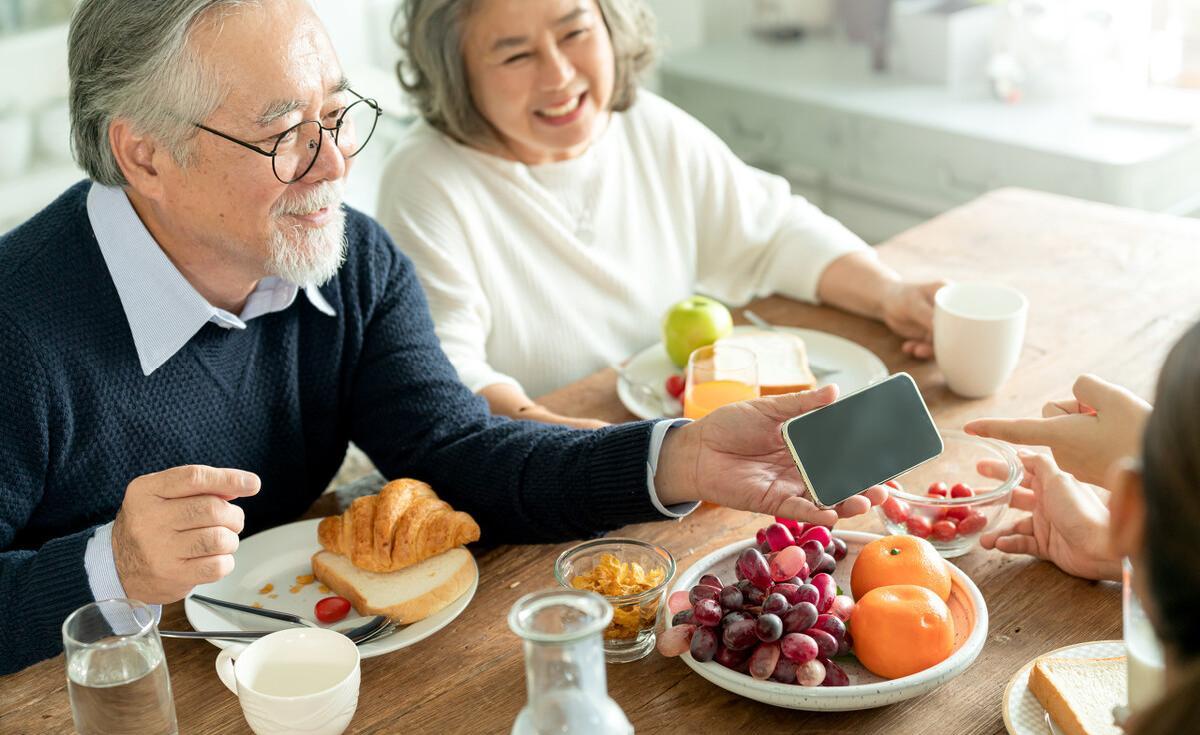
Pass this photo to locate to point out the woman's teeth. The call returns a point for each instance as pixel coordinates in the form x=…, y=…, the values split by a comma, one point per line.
x=565, y=109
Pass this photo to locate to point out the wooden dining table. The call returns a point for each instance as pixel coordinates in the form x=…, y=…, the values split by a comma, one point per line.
x=1110, y=290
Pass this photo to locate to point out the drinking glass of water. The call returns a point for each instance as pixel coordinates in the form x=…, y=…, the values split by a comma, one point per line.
x=1145, y=654
x=116, y=670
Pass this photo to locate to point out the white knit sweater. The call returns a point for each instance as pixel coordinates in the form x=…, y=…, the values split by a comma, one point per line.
x=542, y=275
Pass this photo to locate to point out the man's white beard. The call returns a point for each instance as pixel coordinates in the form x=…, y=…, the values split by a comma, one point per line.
x=310, y=255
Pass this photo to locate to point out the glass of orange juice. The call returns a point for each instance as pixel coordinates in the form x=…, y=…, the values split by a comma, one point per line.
x=718, y=375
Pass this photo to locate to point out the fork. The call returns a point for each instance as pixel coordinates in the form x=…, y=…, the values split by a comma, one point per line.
x=819, y=372
x=373, y=629
x=645, y=392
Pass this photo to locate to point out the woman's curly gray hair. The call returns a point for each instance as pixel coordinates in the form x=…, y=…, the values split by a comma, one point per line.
x=433, y=72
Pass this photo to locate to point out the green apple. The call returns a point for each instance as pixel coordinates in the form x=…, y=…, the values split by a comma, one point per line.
x=695, y=322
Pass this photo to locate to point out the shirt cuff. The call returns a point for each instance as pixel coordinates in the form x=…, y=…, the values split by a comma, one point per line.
x=657, y=435
x=101, y=568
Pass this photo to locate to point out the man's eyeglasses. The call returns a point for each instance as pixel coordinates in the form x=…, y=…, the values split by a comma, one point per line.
x=296, y=149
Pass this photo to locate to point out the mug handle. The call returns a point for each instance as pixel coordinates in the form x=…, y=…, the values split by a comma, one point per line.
x=225, y=672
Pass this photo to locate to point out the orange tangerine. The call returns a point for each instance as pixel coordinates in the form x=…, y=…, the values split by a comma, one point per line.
x=901, y=629
x=900, y=560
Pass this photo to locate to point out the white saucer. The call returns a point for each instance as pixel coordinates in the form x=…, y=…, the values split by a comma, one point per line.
x=278, y=556
x=1023, y=713
x=857, y=368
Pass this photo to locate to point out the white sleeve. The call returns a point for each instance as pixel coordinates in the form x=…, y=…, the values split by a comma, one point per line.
x=754, y=237
x=425, y=228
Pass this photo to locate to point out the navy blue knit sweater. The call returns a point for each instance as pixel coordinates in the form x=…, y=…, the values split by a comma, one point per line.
x=282, y=398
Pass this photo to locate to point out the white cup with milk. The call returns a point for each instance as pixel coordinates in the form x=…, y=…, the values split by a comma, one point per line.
x=978, y=331
x=301, y=680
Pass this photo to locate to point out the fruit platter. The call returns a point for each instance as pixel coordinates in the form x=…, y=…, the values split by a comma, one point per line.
x=807, y=618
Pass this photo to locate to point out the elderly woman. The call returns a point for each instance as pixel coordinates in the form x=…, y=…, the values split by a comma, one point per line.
x=555, y=210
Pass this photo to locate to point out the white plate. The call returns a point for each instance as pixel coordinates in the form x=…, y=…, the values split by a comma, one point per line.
x=857, y=368
x=1023, y=713
x=865, y=690
x=277, y=556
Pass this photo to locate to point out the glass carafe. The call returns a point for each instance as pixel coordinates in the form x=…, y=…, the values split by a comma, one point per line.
x=564, y=665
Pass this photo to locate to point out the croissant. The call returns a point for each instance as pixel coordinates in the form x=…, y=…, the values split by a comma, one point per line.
x=404, y=524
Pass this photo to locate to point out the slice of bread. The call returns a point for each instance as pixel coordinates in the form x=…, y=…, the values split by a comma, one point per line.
x=1080, y=693
x=406, y=595
x=782, y=360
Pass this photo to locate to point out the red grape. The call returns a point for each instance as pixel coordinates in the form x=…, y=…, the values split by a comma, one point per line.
x=779, y=537
x=768, y=627
x=826, y=644
x=839, y=549
x=812, y=552
x=798, y=647
x=760, y=536
x=790, y=592
x=704, y=644
x=843, y=607
x=973, y=523
x=775, y=604
x=835, y=676
x=825, y=566
x=962, y=491
x=753, y=567
x=683, y=616
x=832, y=625
x=792, y=525
x=797, y=580
x=733, y=616
x=800, y=618
x=918, y=526
x=754, y=596
x=785, y=671
x=820, y=534
x=808, y=593
x=763, y=660
x=788, y=563
x=675, y=640
x=944, y=530
x=679, y=600
x=938, y=489
x=740, y=635
x=810, y=673
x=730, y=658
x=896, y=510
x=707, y=612
x=711, y=580
x=731, y=598
x=846, y=645
x=703, y=592
x=827, y=589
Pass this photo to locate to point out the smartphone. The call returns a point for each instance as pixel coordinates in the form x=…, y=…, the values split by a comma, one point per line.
x=862, y=439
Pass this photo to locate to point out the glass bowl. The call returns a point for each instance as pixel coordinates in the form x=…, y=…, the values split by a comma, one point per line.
x=630, y=635
x=953, y=525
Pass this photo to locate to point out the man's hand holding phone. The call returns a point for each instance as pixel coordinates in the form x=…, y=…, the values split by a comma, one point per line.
x=736, y=457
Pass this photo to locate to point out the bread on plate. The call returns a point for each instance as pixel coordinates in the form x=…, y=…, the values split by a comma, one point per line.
x=1080, y=693
x=782, y=360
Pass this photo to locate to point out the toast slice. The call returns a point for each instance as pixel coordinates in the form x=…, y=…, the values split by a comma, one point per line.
x=1080, y=693
x=782, y=360
x=406, y=595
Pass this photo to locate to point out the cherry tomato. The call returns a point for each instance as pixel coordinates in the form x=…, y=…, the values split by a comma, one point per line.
x=961, y=491
x=973, y=523
x=918, y=526
x=958, y=514
x=896, y=510
x=675, y=385
x=944, y=530
x=938, y=489
x=332, y=609
x=893, y=484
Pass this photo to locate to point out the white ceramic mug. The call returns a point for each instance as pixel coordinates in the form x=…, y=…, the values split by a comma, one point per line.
x=978, y=330
x=301, y=680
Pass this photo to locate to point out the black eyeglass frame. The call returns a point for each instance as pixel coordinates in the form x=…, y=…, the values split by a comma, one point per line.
x=337, y=126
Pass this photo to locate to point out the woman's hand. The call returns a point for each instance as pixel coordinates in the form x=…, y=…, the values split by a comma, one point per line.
x=1067, y=522
x=736, y=457
x=1087, y=433
x=907, y=310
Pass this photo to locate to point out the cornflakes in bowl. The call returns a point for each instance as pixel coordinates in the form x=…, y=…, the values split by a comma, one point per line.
x=633, y=576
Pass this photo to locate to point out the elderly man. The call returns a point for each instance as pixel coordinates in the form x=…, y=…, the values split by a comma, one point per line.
x=192, y=337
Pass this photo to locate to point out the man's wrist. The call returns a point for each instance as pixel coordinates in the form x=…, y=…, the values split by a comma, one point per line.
x=675, y=479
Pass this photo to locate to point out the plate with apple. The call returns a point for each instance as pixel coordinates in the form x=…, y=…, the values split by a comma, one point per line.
x=650, y=384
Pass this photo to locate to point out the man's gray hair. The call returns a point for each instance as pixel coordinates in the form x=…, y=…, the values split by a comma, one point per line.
x=131, y=59
x=432, y=70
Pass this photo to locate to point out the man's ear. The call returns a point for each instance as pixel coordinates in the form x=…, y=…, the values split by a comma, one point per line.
x=1127, y=510
x=139, y=157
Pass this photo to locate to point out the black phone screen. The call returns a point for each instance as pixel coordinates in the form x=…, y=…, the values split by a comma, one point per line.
x=863, y=439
